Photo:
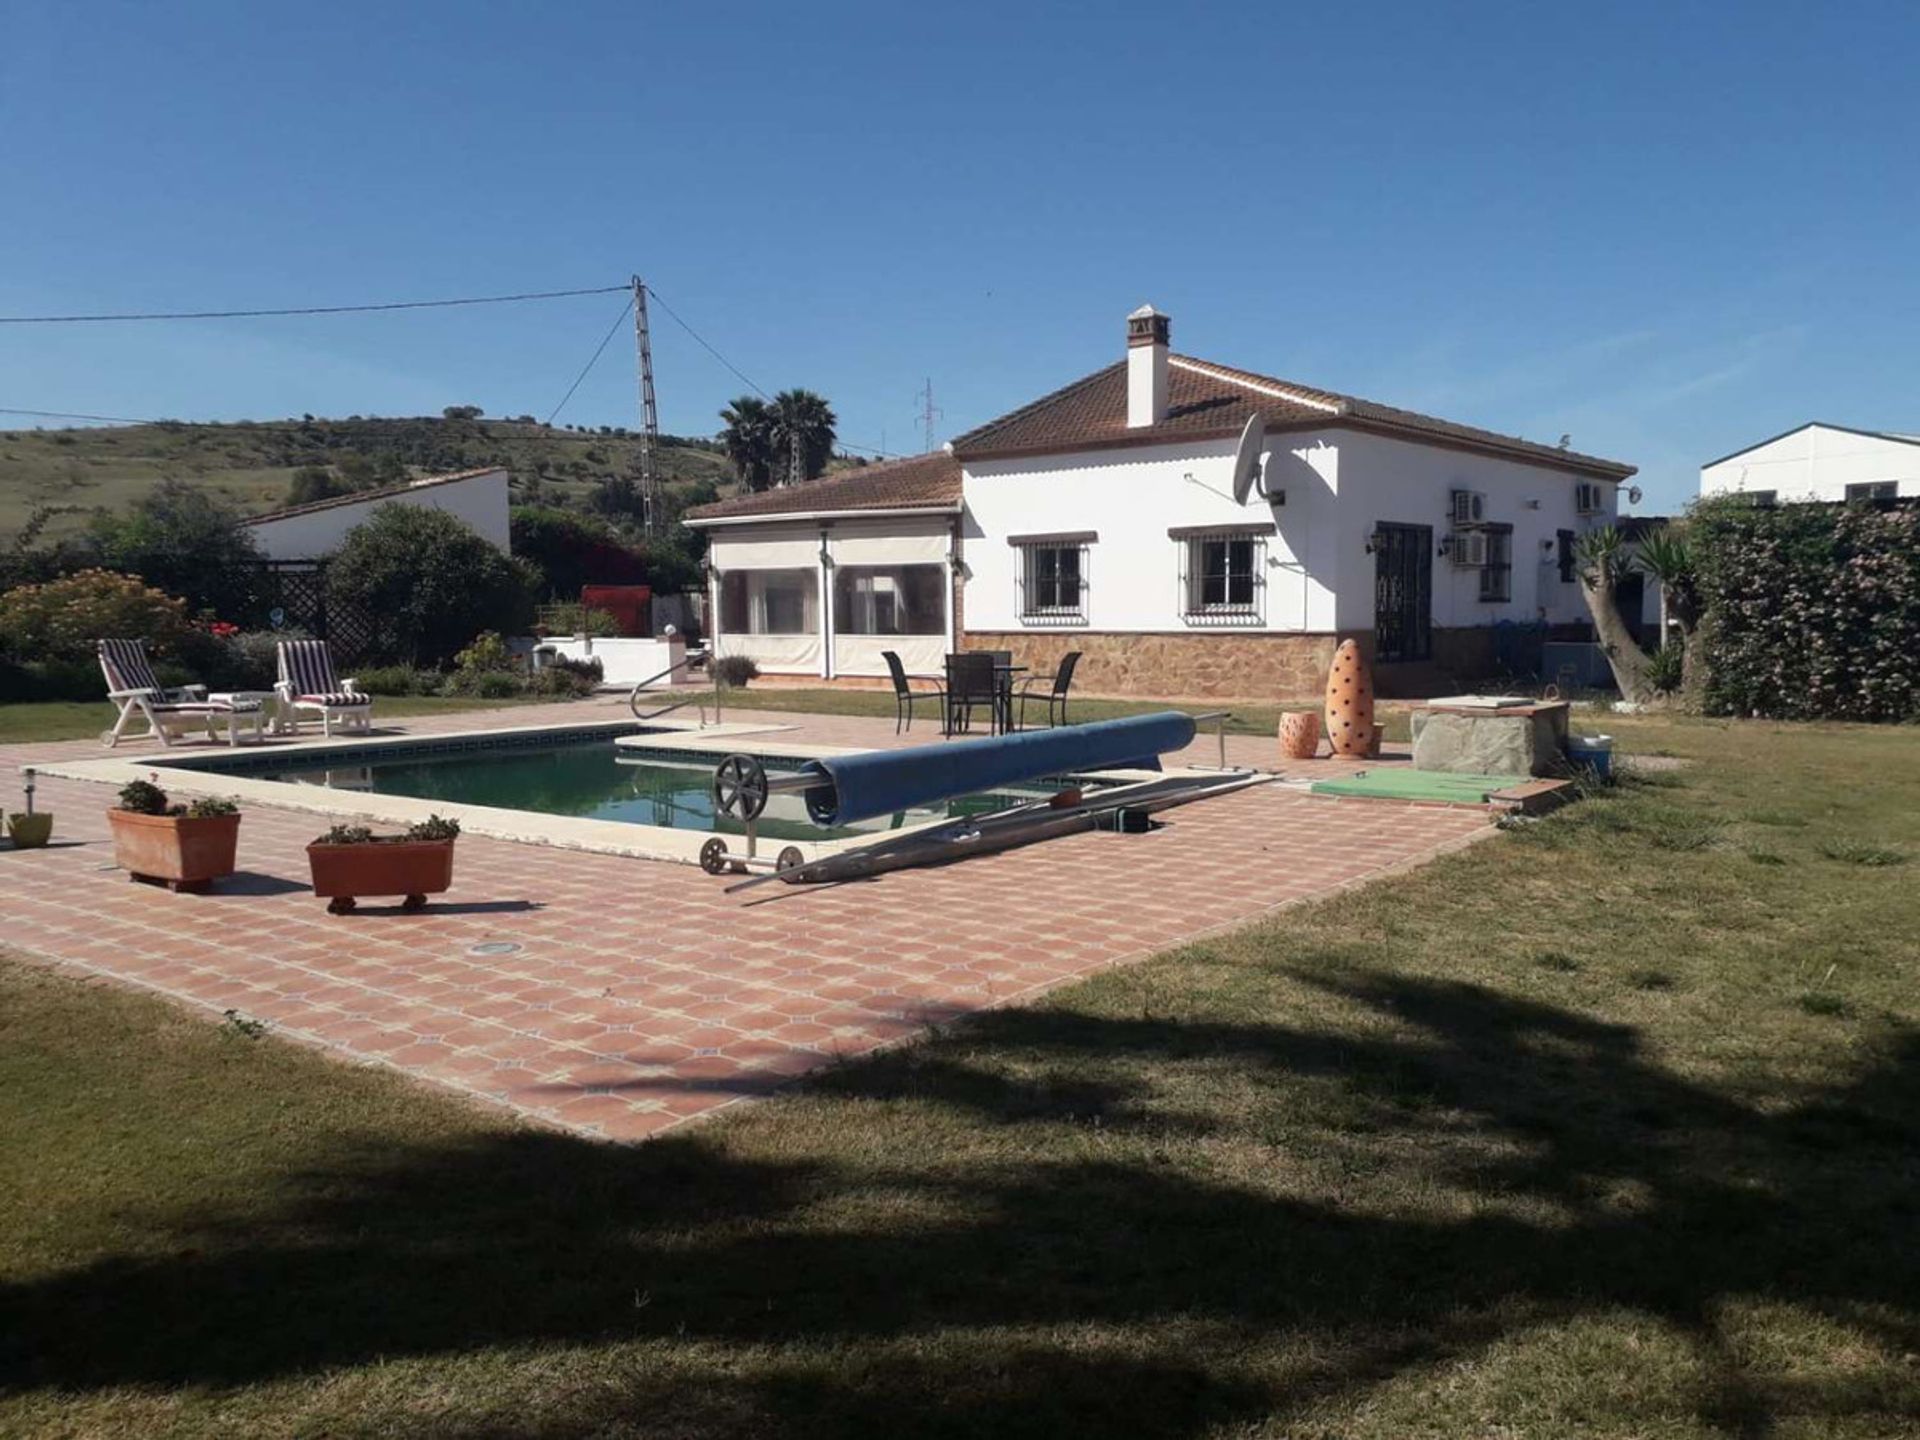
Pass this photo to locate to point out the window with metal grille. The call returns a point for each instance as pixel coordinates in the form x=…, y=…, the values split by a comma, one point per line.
x=1053, y=581
x=1567, y=541
x=1874, y=490
x=1224, y=576
x=1496, y=576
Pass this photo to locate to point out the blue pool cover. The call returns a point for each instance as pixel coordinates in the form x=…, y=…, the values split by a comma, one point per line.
x=881, y=782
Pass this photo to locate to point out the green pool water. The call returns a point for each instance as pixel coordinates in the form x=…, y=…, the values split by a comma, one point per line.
x=596, y=780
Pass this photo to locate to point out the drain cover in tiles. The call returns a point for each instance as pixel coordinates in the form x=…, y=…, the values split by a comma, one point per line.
x=494, y=947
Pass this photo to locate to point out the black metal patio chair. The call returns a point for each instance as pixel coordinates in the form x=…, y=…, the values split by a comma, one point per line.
x=1055, y=696
x=904, y=694
x=973, y=682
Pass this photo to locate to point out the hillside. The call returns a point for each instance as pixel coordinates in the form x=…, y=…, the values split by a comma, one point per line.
x=253, y=463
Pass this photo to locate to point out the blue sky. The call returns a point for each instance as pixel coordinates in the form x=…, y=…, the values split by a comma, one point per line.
x=1666, y=230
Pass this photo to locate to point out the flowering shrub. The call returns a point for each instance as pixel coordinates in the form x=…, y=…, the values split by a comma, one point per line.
x=62, y=619
x=1812, y=611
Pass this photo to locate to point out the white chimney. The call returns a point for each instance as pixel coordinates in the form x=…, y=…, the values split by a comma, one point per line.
x=1147, y=331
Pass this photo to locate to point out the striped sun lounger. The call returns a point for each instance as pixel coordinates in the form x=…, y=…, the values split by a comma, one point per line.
x=308, y=686
x=132, y=685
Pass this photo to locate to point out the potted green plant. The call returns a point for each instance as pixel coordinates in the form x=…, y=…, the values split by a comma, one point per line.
x=350, y=861
x=184, y=847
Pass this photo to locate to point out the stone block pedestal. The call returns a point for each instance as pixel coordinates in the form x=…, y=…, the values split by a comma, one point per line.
x=1513, y=740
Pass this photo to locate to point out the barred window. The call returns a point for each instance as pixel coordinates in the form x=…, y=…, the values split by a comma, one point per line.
x=1053, y=578
x=1496, y=576
x=1224, y=575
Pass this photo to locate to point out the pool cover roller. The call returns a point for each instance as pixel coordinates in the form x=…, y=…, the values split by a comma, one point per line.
x=884, y=782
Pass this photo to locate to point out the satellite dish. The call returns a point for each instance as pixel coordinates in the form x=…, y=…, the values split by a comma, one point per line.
x=1633, y=494
x=1246, y=459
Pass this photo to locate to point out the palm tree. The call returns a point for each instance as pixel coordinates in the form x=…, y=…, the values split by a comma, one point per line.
x=748, y=440
x=1665, y=555
x=803, y=427
x=1600, y=560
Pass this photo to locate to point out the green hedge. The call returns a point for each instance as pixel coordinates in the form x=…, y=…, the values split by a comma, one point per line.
x=1812, y=611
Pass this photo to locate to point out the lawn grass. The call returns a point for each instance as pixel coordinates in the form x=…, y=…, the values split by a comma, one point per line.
x=83, y=719
x=1606, y=1127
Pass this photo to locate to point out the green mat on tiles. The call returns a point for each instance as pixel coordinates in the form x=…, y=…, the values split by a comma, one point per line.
x=1402, y=784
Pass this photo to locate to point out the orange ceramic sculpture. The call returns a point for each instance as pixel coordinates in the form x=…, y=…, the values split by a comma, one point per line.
x=1350, y=702
x=1299, y=734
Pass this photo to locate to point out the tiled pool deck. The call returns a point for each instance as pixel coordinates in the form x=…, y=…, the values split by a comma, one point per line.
x=633, y=995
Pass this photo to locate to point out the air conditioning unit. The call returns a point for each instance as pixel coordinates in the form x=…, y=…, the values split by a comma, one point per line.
x=1469, y=549
x=1588, y=498
x=1469, y=507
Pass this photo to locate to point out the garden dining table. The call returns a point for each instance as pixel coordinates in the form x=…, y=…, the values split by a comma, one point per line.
x=1003, y=678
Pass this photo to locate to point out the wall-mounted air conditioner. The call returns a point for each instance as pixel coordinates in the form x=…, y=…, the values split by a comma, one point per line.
x=1467, y=507
x=1588, y=498
x=1469, y=550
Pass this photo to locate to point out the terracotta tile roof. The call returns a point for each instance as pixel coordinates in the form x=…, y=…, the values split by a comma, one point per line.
x=921, y=482
x=361, y=497
x=1206, y=400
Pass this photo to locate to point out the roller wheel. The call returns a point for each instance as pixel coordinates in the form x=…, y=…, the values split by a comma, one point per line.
x=740, y=787
x=790, y=859
x=340, y=905
x=414, y=902
x=108, y=738
x=713, y=856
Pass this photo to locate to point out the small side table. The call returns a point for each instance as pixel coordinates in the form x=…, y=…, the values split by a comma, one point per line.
x=267, y=713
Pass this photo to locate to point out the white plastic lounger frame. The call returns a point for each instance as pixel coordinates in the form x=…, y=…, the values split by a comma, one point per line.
x=132, y=685
x=308, y=686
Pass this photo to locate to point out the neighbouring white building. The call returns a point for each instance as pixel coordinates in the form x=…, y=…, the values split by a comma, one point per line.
x=1819, y=462
x=1102, y=518
x=310, y=533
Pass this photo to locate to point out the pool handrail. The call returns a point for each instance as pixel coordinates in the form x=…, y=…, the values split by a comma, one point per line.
x=633, y=695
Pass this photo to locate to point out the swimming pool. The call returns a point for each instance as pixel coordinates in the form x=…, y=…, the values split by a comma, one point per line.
x=593, y=780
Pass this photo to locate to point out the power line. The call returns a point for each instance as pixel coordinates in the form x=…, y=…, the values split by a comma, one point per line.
x=743, y=377
x=599, y=350
x=305, y=309
x=738, y=373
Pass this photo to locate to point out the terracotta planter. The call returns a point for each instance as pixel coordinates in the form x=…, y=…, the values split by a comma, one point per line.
x=1349, y=702
x=1299, y=734
x=177, y=851
x=30, y=832
x=412, y=868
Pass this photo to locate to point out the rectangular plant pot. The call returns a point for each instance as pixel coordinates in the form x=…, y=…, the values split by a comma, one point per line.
x=177, y=851
x=412, y=868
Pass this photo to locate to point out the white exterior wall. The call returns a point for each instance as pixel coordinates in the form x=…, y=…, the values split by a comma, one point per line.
x=480, y=500
x=1338, y=485
x=1397, y=480
x=1816, y=462
x=624, y=661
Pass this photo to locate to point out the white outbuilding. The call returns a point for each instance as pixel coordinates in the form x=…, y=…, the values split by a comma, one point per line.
x=1819, y=462
x=308, y=534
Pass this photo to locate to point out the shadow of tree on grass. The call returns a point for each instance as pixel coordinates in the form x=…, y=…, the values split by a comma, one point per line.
x=1088, y=1287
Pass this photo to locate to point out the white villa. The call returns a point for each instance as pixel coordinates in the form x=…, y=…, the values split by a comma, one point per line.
x=1819, y=462
x=1103, y=518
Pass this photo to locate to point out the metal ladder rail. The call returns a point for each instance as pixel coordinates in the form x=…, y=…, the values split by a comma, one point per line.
x=633, y=696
